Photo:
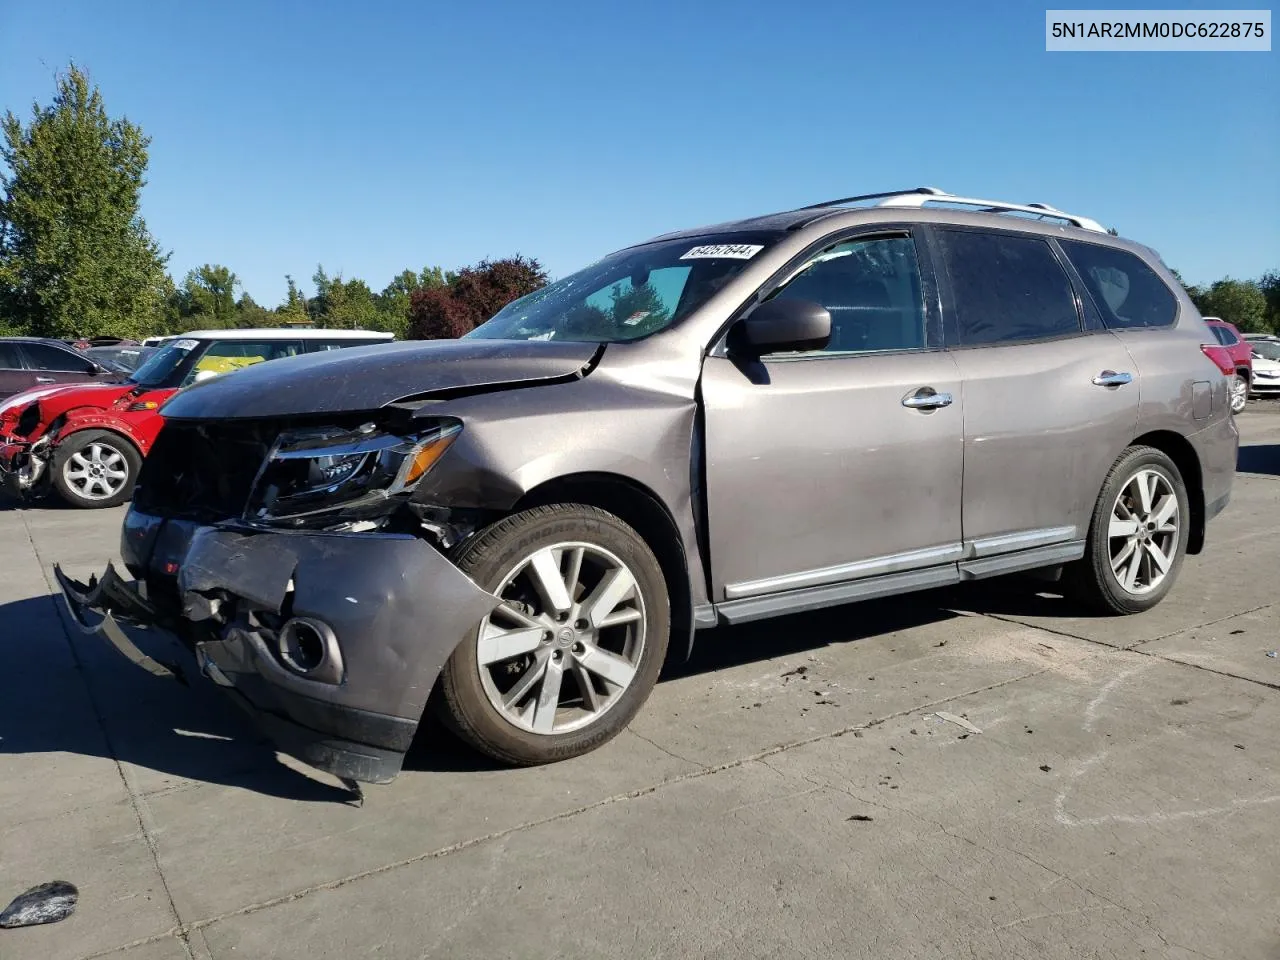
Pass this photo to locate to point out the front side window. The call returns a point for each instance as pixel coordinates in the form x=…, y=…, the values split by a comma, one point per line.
x=629, y=294
x=871, y=288
x=1225, y=336
x=224, y=356
x=1007, y=288
x=41, y=356
x=323, y=346
x=1127, y=291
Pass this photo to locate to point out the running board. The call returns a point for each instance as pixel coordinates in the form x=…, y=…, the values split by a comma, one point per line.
x=869, y=588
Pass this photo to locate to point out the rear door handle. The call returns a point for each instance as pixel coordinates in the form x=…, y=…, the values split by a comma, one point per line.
x=1109, y=378
x=926, y=398
x=44, y=380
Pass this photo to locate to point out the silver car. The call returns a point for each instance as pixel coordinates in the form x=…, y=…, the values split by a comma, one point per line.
x=861, y=398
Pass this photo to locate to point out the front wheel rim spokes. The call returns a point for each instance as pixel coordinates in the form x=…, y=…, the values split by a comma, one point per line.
x=96, y=472
x=566, y=641
x=1143, y=532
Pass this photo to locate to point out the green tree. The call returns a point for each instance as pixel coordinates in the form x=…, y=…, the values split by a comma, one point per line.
x=76, y=258
x=250, y=315
x=393, y=302
x=294, y=309
x=1270, y=287
x=1237, y=301
x=207, y=298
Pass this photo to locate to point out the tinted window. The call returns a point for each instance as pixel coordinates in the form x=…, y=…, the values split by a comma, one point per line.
x=9, y=359
x=872, y=290
x=1225, y=336
x=1126, y=290
x=41, y=356
x=320, y=346
x=1007, y=288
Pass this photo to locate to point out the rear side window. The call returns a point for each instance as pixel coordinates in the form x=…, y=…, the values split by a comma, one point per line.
x=1225, y=336
x=1007, y=288
x=321, y=346
x=41, y=356
x=9, y=359
x=1127, y=291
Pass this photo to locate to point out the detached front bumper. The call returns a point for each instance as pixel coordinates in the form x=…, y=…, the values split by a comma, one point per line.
x=332, y=642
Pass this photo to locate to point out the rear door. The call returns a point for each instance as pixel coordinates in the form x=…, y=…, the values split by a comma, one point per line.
x=1048, y=404
x=838, y=465
x=14, y=376
x=51, y=364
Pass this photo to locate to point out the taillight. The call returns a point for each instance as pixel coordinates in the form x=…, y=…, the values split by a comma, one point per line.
x=1221, y=357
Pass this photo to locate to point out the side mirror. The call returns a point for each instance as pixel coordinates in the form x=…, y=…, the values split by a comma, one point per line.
x=778, y=325
x=205, y=375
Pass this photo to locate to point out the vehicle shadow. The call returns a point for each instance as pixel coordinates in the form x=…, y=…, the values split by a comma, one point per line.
x=1259, y=458
x=86, y=699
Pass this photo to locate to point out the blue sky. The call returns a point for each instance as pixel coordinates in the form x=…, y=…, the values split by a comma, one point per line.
x=377, y=136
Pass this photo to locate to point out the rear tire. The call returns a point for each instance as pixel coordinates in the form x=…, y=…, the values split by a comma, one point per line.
x=571, y=656
x=1137, y=540
x=95, y=468
x=1239, y=387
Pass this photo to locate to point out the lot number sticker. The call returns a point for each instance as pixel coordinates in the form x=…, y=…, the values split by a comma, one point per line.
x=734, y=251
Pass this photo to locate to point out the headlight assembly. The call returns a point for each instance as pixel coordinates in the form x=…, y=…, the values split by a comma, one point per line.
x=324, y=475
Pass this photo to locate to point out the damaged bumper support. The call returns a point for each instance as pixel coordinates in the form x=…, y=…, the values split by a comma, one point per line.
x=23, y=464
x=332, y=642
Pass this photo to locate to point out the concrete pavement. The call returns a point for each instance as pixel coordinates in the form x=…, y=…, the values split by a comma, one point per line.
x=791, y=793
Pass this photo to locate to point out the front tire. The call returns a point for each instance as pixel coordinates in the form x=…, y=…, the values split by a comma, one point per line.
x=95, y=468
x=573, y=652
x=1137, y=536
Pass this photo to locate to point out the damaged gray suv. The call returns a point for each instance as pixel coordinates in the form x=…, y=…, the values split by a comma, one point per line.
x=861, y=398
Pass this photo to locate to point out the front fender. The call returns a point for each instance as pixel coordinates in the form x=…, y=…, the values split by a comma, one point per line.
x=92, y=418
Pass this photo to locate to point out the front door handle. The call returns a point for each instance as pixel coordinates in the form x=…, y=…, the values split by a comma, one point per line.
x=926, y=398
x=1109, y=378
x=44, y=380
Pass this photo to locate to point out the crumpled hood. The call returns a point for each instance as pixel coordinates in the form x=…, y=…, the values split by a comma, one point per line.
x=366, y=378
x=62, y=396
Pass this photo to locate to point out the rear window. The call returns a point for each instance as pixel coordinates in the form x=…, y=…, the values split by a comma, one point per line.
x=1007, y=288
x=1127, y=291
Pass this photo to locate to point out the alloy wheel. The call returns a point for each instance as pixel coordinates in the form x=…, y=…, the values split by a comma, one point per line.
x=1239, y=393
x=566, y=641
x=98, y=472
x=1143, y=532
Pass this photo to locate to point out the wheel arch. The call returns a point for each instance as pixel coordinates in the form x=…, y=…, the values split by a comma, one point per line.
x=642, y=510
x=1179, y=449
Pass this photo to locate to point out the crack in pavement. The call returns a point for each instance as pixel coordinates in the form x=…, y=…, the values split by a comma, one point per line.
x=141, y=809
x=461, y=845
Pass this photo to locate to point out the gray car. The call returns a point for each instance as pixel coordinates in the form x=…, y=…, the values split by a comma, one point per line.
x=862, y=398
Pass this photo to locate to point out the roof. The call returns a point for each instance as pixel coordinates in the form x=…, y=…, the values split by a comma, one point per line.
x=278, y=333
x=887, y=203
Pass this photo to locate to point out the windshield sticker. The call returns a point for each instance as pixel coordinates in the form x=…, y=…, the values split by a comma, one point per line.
x=733, y=251
x=185, y=344
x=635, y=318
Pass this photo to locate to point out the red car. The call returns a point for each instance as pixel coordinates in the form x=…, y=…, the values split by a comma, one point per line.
x=1241, y=354
x=87, y=441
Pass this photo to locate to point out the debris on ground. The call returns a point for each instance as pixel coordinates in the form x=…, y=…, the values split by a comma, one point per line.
x=1236, y=633
x=1271, y=654
x=860, y=817
x=1045, y=768
x=1239, y=746
x=799, y=671
x=47, y=903
x=1179, y=701
x=958, y=721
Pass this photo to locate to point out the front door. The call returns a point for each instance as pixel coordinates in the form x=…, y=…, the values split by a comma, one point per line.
x=1047, y=406
x=49, y=364
x=835, y=465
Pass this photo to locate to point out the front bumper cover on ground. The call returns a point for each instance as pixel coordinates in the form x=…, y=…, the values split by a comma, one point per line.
x=395, y=605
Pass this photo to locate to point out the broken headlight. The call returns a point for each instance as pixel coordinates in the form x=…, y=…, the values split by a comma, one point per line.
x=330, y=475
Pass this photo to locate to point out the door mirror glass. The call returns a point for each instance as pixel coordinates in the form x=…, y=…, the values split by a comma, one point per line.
x=780, y=325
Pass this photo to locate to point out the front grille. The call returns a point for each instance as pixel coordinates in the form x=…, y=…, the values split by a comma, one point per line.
x=203, y=471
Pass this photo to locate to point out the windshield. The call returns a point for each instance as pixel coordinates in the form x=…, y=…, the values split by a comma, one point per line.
x=1269, y=349
x=160, y=368
x=629, y=294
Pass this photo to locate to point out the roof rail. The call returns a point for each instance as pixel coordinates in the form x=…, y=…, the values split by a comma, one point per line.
x=919, y=196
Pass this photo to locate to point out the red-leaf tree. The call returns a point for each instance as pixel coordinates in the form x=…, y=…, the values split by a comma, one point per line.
x=472, y=297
